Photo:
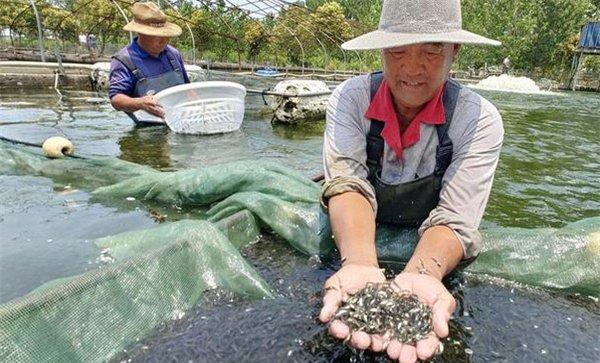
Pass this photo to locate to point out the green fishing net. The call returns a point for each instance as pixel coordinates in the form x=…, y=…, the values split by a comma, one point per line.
x=158, y=274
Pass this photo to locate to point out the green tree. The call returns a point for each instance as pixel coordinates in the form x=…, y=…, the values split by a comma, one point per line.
x=331, y=28
x=293, y=36
x=533, y=33
x=365, y=12
x=257, y=38
x=19, y=19
x=102, y=18
x=538, y=35
x=61, y=23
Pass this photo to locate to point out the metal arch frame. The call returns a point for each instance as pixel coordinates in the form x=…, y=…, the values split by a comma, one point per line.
x=237, y=40
x=188, y=28
x=289, y=31
x=335, y=39
x=258, y=9
x=209, y=31
x=70, y=13
x=300, y=44
x=326, y=55
x=73, y=11
x=40, y=30
x=326, y=58
x=125, y=17
x=357, y=53
x=277, y=5
x=193, y=42
x=12, y=23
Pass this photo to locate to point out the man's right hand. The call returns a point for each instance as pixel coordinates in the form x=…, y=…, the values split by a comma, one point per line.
x=149, y=104
x=347, y=281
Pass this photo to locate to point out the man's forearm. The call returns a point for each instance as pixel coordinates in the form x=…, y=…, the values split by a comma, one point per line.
x=353, y=225
x=122, y=102
x=438, y=253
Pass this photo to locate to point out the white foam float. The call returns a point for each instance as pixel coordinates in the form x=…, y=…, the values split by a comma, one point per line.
x=57, y=147
x=303, y=108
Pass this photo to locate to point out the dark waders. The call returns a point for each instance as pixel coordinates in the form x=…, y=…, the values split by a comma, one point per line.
x=409, y=204
x=151, y=85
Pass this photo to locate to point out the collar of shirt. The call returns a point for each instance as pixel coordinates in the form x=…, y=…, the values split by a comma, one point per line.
x=141, y=52
x=382, y=109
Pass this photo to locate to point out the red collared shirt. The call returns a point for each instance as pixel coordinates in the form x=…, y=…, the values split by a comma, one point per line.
x=382, y=108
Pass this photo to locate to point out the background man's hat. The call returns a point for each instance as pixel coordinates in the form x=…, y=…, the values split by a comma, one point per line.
x=148, y=19
x=405, y=22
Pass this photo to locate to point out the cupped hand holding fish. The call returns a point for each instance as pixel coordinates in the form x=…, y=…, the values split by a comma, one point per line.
x=432, y=292
x=347, y=281
x=354, y=277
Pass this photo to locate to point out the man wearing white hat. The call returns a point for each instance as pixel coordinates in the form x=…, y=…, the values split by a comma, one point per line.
x=408, y=147
x=147, y=65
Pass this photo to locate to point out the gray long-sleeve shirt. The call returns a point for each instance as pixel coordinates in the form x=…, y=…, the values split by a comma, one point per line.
x=476, y=132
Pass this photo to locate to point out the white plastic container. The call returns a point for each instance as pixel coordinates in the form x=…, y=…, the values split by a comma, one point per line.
x=209, y=107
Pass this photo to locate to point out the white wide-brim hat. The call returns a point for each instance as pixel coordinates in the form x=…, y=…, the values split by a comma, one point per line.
x=405, y=22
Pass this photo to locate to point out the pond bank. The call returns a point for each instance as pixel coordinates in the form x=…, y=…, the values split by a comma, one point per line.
x=18, y=75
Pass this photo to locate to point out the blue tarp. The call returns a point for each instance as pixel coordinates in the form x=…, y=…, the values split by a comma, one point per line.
x=590, y=37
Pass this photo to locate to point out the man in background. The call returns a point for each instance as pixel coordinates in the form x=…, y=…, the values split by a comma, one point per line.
x=146, y=66
x=506, y=65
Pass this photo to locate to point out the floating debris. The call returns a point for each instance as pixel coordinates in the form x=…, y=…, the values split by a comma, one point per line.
x=105, y=256
x=157, y=216
x=379, y=309
x=67, y=190
x=177, y=314
x=96, y=100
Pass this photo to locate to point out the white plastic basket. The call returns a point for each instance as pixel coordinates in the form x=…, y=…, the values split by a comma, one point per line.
x=209, y=107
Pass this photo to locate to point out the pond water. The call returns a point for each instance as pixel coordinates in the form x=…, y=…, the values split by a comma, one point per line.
x=548, y=176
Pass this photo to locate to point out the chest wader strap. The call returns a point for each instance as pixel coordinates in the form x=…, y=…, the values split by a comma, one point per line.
x=173, y=61
x=443, y=155
x=123, y=57
x=375, y=143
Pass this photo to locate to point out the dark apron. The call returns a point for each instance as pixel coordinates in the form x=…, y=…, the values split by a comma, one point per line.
x=150, y=85
x=409, y=204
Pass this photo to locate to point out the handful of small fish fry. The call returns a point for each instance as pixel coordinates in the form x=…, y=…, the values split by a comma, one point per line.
x=379, y=309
